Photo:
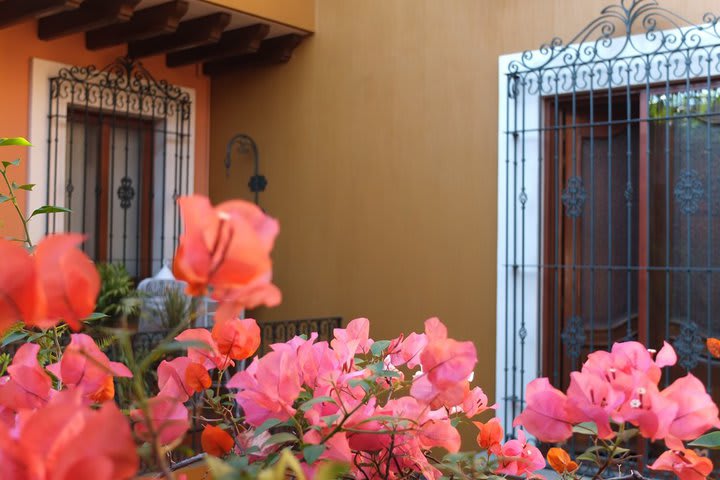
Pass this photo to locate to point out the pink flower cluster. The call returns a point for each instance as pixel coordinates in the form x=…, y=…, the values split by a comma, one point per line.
x=40, y=426
x=363, y=429
x=618, y=387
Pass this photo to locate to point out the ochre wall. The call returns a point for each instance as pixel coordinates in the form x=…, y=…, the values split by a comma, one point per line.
x=20, y=44
x=294, y=13
x=379, y=141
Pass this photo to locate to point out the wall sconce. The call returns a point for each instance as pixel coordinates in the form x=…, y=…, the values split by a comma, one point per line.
x=246, y=145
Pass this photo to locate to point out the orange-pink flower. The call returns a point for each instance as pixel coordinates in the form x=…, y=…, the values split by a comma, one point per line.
x=28, y=385
x=58, y=282
x=236, y=338
x=208, y=356
x=18, y=286
x=66, y=440
x=268, y=387
x=517, y=457
x=696, y=411
x=227, y=248
x=445, y=361
x=85, y=367
x=490, y=435
x=68, y=278
x=168, y=419
x=546, y=413
x=686, y=464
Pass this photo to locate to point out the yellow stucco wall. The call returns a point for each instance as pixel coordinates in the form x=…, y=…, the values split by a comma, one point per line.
x=379, y=140
x=294, y=13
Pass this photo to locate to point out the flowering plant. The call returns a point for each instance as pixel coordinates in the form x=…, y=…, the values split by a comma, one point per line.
x=615, y=397
x=352, y=407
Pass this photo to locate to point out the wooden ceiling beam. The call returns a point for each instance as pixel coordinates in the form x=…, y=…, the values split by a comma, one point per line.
x=148, y=22
x=92, y=14
x=236, y=42
x=191, y=33
x=272, y=51
x=16, y=11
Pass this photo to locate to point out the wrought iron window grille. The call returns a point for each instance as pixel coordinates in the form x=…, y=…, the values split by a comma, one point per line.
x=119, y=156
x=610, y=189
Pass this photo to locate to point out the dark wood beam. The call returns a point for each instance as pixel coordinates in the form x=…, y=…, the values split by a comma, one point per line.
x=232, y=43
x=91, y=14
x=272, y=51
x=148, y=22
x=191, y=33
x=16, y=11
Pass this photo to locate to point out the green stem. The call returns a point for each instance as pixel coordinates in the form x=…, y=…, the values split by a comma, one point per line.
x=13, y=199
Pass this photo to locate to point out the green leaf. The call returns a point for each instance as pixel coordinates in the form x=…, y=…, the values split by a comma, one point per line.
x=586, y=428
x=278, y=438
x=587, y=456
x=95, y=316
x=627, y=434
x=709, y=440
x=4, y=198
x=28, y=187
x=330, y=419
x=176, y=345
x=15, y=141
x=308, y=405
x=15, y=162
x=378, y=347
x=49, y=209
x=312, y=453
x=388, y=374
x=13, y=337
x=267, y=425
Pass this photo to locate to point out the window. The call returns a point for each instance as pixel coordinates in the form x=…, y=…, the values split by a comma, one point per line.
x=609, y=197
x=109, y=170
x=115, y=146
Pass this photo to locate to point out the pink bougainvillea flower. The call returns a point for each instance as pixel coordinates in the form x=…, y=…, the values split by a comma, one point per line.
x=648, y=409
x=85, y=367
x=168, y=419
x=18, y=286
x=696, y=410
x=546, y=413
x=686, y=464
x=65, y=440
x=69, y=281
x=209, y=356
x=268, y=387
x=227, y=247
x=475, y=402
x=517, y=457
x=353, y=339
x=408, y=351
x=445, y=361
x=592, y=398
x=666, y=357
x=435, y=396
x=28, y=386
x=171, y=378
x=236, y=338
x=490, y=435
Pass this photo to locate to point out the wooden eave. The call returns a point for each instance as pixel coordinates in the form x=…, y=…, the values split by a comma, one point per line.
x=186, y=32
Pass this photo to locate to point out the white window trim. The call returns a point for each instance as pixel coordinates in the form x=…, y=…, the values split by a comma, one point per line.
x=41, y=73
x=533, y=218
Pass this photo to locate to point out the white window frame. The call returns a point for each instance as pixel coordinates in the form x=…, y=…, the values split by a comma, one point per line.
x=42, y=71
x=533, y=214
